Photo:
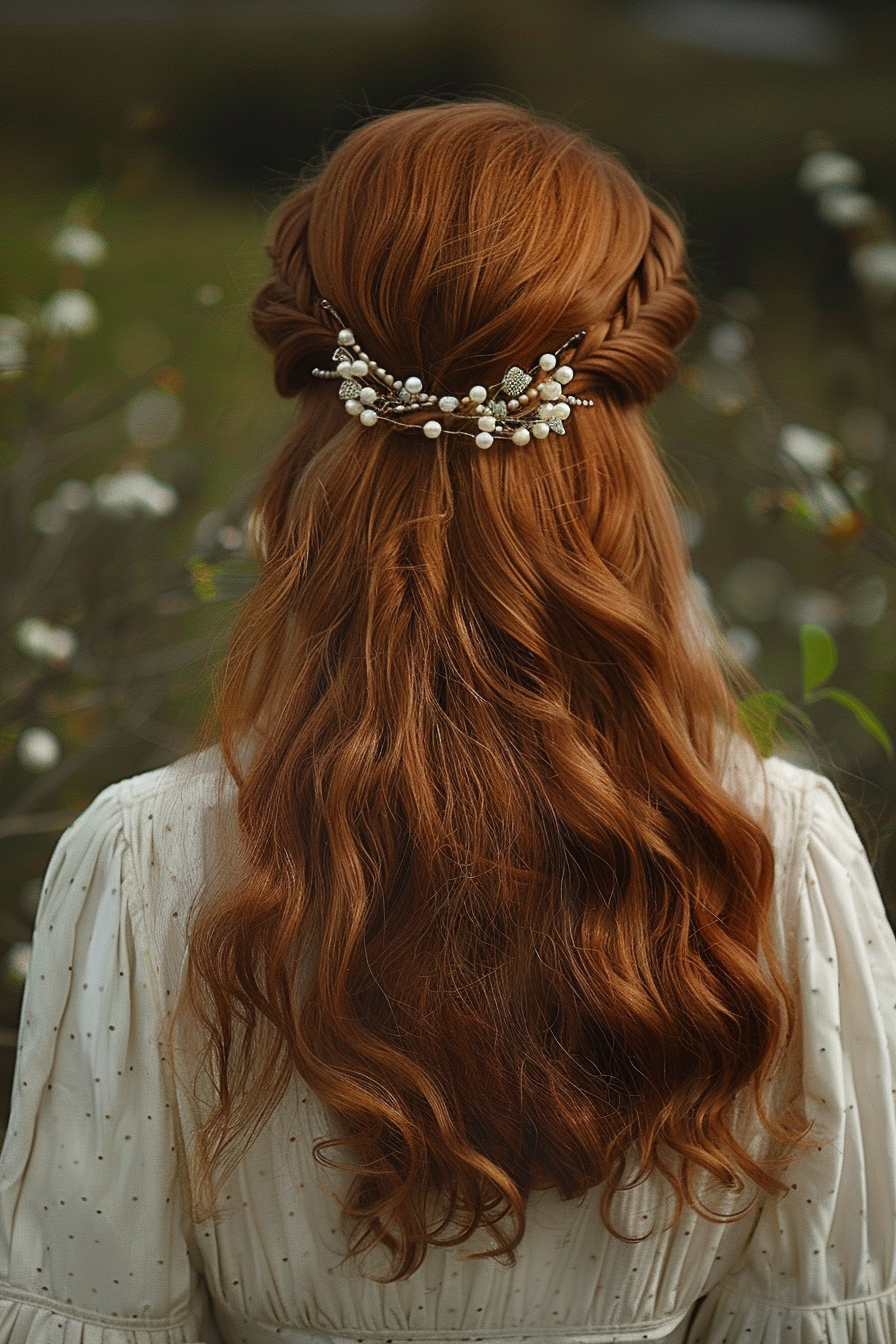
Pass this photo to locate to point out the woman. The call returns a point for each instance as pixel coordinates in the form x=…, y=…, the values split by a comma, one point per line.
x=499, y=989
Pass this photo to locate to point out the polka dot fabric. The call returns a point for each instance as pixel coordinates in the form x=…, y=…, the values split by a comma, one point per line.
x=96, y=1241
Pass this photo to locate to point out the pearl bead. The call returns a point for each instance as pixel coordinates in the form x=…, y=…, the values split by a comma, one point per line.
x=432, y=429
x=413, y=385
x=448, y=404
x=564, y=374
x=390, y=379
x=369, y=418
x=367, y=395
x=344, y=368
x=521, y=437
x=541, y=430
x=546, y=412
x=561, y=412
x=477, y=394
x=524, y=397
x=484, y=440
x=548, y=362
x=513, y=404
x=359, y=368
x=550, y=390
x=353, y=407
x=487, y=422
x=479, y=410
x=346, y=336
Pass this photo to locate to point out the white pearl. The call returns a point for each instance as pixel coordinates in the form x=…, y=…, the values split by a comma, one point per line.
x=367, y=395
x=344, y=369
x=390, y=379
x=346, y=336
x=546, y=412
x=369, y=418
x=541, y=430
x=477, y=394
x=359, y=368
x=353, y=407
x=550, y=390
x=561, y=412
x=487, y=422
x=448, y=404
x=484, y=440
x=513, y=404
x=413, y=385
x=547, y=362
x=432, y=429
x=564, y=374
x=521, y=437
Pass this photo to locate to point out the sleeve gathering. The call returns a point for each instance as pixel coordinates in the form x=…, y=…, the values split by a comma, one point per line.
x=820, y=1267
x=93, y=1232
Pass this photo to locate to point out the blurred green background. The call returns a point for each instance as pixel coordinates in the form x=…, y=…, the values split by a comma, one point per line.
x=172, y=129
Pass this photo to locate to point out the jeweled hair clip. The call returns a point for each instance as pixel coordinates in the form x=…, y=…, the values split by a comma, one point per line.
x=519, y=407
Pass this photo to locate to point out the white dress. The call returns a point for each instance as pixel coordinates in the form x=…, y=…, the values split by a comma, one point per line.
x=96, y=1242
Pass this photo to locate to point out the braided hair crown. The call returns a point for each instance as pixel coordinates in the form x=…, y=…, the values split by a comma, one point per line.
x=460, y=239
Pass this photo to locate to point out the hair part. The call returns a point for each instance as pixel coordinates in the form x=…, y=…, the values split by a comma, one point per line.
x=495, y=907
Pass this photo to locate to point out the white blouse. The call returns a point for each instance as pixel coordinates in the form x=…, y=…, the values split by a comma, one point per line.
x=96, y=1241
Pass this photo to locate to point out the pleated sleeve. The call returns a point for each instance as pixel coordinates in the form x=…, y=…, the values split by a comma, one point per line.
x=820, y=1267
x=94, y=1233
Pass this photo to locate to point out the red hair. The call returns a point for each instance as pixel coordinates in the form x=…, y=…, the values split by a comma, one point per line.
x=495, y=908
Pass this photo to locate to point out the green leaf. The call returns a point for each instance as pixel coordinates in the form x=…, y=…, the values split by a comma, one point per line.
x=818, y=654
x=868, y=720
x=765, y=716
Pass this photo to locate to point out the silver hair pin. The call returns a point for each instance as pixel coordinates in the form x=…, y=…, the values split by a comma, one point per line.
x=516, y=408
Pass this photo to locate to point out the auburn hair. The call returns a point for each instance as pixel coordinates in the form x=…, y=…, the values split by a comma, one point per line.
x=494, y=905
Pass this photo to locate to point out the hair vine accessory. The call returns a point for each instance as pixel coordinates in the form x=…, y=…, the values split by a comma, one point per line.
x=516, y=408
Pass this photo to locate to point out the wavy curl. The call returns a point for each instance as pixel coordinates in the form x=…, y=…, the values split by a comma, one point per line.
x=495, y=906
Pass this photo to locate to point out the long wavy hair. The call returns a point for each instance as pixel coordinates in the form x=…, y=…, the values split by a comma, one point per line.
x=494, y=906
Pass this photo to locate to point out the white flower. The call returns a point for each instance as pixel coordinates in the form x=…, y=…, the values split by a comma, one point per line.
x=845, y=208
x=209, y=295
x=809, y=448
x=744, y=643
x=730, y=342
x=814, y=606
x=70, y=312
x=230, y=538
x=153, y=418
x=83, y=246
x=73, y=496
x=874, y=265
x=49, y=517
x=44, y=642
x=829, y=168
x=38, y=749
x=866, y=600
x=13, y=355
x=128, y=492
x=16, y=963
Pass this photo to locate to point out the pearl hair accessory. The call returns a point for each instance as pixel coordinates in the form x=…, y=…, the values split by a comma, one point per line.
x=517, y=408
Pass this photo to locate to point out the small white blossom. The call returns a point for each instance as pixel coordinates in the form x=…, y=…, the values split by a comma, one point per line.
x=230, y=538
x=73, y=496
x=874, y=265
x=38, y=749
x=730, y=342
x=44, y=642
x=129, y=492
x=829, y=168
x=814, y=606
x=845, y=208
x=71, y=312
x=209, y=295
x=83, y=246
x=809, y=448
x=16, y=963
x=866, y=600
x=744, y=643
x=153, y=418
x=49, y=517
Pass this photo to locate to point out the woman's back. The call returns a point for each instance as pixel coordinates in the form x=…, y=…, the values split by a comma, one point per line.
x=98, y=1135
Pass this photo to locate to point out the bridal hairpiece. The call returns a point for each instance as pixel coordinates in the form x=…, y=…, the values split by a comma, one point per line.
x=516, y=408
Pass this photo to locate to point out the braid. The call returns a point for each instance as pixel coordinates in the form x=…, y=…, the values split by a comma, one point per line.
x=634, y=351
x=284, y=313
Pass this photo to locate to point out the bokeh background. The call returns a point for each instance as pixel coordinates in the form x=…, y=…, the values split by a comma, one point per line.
x=143, y=145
